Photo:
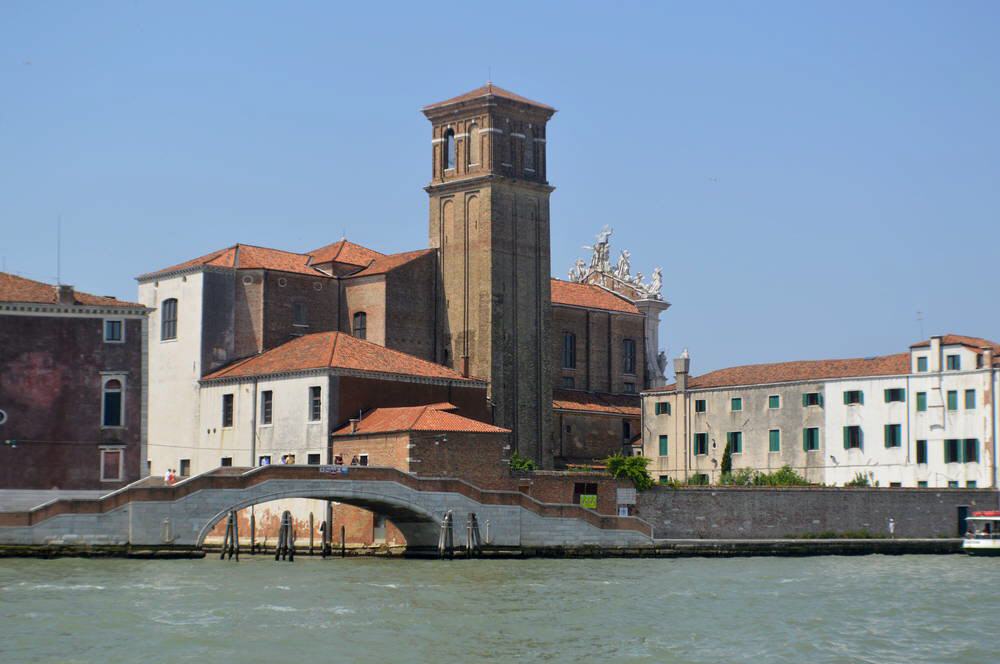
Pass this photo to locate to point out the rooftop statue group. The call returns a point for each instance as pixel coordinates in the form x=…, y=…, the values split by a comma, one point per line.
x=600, y=262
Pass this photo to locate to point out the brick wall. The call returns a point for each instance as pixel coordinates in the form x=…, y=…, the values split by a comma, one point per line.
x=282, y=290
x=410, y=294
x=583, y=437
x=367, y=295
x=354, y=394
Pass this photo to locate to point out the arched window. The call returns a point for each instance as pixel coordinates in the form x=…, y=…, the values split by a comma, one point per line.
x=168, y=323
x=449, y=149
x=473, y=144
x=111, y=415
x=360, y=329
x=529, y=150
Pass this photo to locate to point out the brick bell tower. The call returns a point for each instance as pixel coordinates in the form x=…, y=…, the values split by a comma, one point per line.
x=489, y=219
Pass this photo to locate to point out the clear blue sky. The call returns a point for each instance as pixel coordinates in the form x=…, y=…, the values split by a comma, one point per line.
x=809, y=175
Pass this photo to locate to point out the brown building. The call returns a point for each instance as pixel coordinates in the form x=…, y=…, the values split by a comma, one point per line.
x=72, y=388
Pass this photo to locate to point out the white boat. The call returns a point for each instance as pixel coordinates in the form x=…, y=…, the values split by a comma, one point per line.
x=983, y=535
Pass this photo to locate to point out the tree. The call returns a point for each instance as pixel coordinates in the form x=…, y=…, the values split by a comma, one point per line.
x=518, y=462
x=630, y=468
x=727, y=460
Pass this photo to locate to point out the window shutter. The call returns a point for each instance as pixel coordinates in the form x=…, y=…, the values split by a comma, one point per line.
x=820, y=395
x=887, y=396
x=888, y=435
x=861, y=438
x=861, y=397
x=846, y=400
x=805, y=440
x=804, y=400
x=847, y=438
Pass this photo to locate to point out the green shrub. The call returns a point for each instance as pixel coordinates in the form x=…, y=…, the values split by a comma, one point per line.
x=860, y=479
x=518, y=462
x=784, y=476
x=631, y=468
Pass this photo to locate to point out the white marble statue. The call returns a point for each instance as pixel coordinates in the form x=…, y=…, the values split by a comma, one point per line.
x=657, y=284
x=623, y=268
x=579, y=270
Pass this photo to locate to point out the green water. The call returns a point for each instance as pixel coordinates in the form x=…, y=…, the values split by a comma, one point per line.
x=831, y=609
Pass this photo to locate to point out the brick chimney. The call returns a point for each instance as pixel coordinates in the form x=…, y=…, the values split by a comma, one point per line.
x=682, y=366
x=66, y=294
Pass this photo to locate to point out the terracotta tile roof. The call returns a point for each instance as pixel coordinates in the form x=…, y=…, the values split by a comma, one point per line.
x=590, y=296
x=247, y=257
x=416, y=418
x=486, y=91
x=976, y=343
x=785, y=372
x=346, y=252
x=18, y=289
x=385, y=264
x=335, y=350
x=609, y=404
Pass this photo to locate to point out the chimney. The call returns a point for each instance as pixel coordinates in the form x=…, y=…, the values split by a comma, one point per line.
x=935, y=360
x=682, y=366
x=987, y=358
x=465, y=366
x=354, y=426
x=66, y=295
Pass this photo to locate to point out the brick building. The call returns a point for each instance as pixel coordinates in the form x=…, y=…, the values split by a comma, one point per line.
x=72, y=388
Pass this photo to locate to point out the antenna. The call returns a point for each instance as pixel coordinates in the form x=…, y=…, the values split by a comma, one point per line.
x=920, y=322
x=59, y=249
x=489, y=73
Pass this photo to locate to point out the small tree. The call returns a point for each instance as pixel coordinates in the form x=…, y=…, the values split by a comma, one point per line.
x=727, y=460
x=631, y=468
x=860, y=479
x=518, y=462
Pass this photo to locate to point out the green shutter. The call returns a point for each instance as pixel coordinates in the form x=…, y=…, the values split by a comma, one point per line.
x=888, y=396
x=774, y=441
x=805, y=440
x=847, y=439
x=664, y=446
x=820, y=396
x=847, y=400
x=861, y=397
x=804, y=400
x=888, y=435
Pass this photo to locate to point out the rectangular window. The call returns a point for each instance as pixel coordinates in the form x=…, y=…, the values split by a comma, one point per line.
x=922, y=364
x=629, y=388
x=854, y=397
x=922, y=484
x=628, y=351
x=895, y=394
x=893, y=435
x=111, y=465
x=700, y=444
x=970, y=450
x=970, y=399
x=299, y=315
x=662, y=407
x=699, y=479
x=315, y=403
x=970, y=484
x=664, y=446
x=895, y=485
x=626, y=430
x=569, y=350
x=921, y=402
x=699, y=405
x=735, y=441
x=774, y=402
x=810, y=439
x=952, y=399
x=168, y=322
x=812, y=399
x=736, y=404
x=227, y=410
x=568, y=382
x=954, y=362
x=264, y=460
x=114, y=331
x=185, y=468
x=664, y=479
x=773, y=440
x=853, y=438
x=952, y=484
x=921, y=451
x=313, y=459
x=585, y=493
x=266, y=406
x=952, y=451
x=226, y=462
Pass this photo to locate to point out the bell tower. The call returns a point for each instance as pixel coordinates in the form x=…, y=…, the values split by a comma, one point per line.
x=489, y=220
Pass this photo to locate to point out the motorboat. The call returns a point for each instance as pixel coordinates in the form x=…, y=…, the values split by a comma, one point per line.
x=983, y=535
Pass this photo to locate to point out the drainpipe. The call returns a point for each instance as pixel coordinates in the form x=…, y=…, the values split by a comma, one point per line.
x=990, y=376
x=253, y=427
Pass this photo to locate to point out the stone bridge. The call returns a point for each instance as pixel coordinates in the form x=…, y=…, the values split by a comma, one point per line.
x=146, y=514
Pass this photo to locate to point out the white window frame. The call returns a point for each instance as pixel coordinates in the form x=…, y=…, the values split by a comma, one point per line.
x=363, y=455
x=120, y=450
x=769, y=396
x=104, y=330
x=105, y=378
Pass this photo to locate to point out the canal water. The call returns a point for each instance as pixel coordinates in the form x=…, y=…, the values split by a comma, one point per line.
x=828, y=609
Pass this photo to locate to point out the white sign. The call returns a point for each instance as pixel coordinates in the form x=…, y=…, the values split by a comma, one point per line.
x=626, y=496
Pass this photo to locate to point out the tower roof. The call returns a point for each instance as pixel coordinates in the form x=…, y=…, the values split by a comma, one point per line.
x=485, y=91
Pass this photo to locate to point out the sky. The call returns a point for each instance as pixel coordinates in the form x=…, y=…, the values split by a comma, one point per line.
x=809, y=176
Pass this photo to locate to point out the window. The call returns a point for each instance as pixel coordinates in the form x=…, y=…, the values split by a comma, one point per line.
x=921, y=451
x=970, y=450
x=812, y=399
x=922, y=484
x=895, y=394
x=971, y=484
x=895, y=485
x=664, y=446
x=449, y=149
x=893, y=435
x=111, y=465
x=662, y=408
x=735, y=441
x=581, y=489
x=699, y=405
x=952, y=399
x=360, y=327
x=736, y=404
x=568, y=382
x=628, y=351
x=226, y=462
x=313, y=459
x=664, y=479
x=362, y=459
x=168, y=323
x=629, y=388
x=266, y=402
x=952, y=484
x=626, y=430
x=774, y=402
x=774, y=440
x=112, y=414
x=954, y=362
x=473, y=144
x=921, y=402
x=699, y=479
x=853, y=438
x=952, y=451
x=114, y=331
x=227, y=410
x=264, y=460
x=810, y=439
x=185, y=469
x=922, y=364
x=569, y=350
x=315, y=403
x=701, y=443
x=854, y=397
x=529, y=150
x=300, y=315
x=970, y=399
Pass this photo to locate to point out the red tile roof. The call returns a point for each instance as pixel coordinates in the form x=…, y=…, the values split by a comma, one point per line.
x=385, y=264
x=18, y=289
x=416, y=418
x=571, y=293
x=335, y=350
x=605, y=404
x=976, y=343
x=785, y=372
x=247, y=257
x=344, y=251
x=488, y=90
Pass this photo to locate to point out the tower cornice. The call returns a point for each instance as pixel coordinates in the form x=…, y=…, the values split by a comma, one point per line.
x=488, y=179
